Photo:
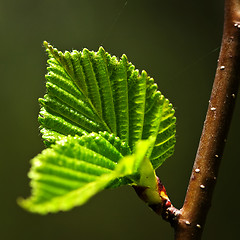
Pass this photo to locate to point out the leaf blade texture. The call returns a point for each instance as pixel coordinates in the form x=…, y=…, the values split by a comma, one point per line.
x=93, y=91
x=105, y=125
x=74, y=170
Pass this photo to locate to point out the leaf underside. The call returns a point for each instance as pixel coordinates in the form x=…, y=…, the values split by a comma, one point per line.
x=96, y=109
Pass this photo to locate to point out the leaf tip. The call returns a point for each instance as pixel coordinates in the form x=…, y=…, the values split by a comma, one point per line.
x=23, y=203
x=144, y=74
x=101, y=49
x=46, y=44
x=124, y=58
x=28, y=205
x=85, y=51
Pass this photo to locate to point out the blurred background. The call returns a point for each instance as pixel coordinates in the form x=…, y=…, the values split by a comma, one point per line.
x=177, y=43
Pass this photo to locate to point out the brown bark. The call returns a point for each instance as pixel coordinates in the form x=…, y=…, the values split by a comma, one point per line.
x=192, y=216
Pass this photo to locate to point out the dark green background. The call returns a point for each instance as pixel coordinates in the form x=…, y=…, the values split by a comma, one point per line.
x=175, y=42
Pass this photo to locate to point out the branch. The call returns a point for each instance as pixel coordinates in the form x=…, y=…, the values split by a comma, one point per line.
x=192, y=216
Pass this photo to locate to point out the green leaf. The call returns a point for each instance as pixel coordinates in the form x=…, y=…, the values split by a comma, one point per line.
x=137, y=102
x=75, y=169
x=105, y=124
x=105, y=89
x=120, y=98
x=93, y=91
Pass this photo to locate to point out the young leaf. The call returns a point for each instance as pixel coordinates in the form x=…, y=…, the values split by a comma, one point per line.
x=75, y=169
x=105, y=125
x=93, y=91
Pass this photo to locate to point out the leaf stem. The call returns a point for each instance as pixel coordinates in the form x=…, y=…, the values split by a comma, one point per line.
x=159, y=203
x=192, y=216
